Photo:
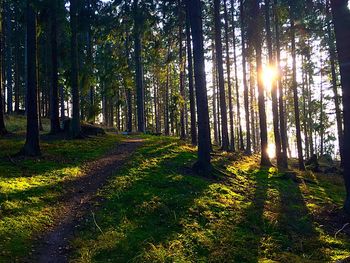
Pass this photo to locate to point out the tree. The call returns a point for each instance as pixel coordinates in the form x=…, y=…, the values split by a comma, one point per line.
x=204, y=146
x=31, y=146
x=295, y=90
x=54, y=106
x=190, y=81
x=275, y=112
x=219, y=60
x=3, y=130
x=244, y=72
x=341, y=18
x=228, y=71
x=255, y=36
x=75, y=127
x=140, y=89
x=282, y=123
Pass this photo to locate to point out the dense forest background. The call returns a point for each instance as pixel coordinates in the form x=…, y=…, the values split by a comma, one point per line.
x=251, y=95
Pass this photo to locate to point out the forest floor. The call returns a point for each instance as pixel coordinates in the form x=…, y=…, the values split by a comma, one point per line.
x=154, y=209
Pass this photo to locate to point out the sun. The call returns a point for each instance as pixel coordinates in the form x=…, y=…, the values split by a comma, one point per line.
x=269, y=75
x=271, y=150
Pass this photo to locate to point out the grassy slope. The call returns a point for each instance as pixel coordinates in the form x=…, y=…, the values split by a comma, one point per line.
x=30, y=188
x=157, y=211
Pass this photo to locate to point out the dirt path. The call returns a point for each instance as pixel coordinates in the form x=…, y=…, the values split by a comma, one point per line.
x=54, y=246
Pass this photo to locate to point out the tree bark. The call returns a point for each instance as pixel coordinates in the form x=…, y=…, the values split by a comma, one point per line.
x=3, y=130
x=282, y=122
x=341, y=18
x=337, y=99
x=8, y=56
x=75, y=127
x=31, y=146
x=256, y=30
x=248, y=149
x=228, y=71
x=219, y=60
x=140, y=89
x=275, y=112
x=204, y=144
x=296, y=97
x=54, y=105
x=190, y=82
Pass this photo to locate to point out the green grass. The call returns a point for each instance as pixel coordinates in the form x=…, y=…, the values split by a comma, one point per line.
x=156, y=210
x=30, y=188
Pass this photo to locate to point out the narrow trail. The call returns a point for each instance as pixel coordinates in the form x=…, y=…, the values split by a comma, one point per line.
x=77, y=203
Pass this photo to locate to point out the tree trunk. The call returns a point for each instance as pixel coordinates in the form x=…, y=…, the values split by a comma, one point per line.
x=296, y=98
x=140, y=89
x=275, y=112
x=256, y=30
x=182, y=72
x=252, y=104
x=337, y=99
x=31, y=147
x=219, y=60
x=75, y=129
x=190, y=81
x=248, y=149
x=341, y=17
x=215, y=110
x=54, y=105
x=282, y=122
x=204, y=144
x=228, y=71
x=8, y=55
x=3, y=130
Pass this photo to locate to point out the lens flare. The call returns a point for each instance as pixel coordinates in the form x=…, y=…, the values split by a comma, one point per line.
x=269, y=75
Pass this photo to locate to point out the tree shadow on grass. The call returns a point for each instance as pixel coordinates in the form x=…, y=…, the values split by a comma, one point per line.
x=297, y=238
x=145, y=206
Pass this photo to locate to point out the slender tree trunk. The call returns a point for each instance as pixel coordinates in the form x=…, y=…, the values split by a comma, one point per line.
x=248, y=149
x=75, y=128
x=182, y=72
x=305, y=113
x=54, y=105
x=166, y=106
x=282, y=122
x=256, y=31
x=341, y=18
x=337, y=99
x=296, y=98
x=8, y=55
x=204, y=144
x=219, y=60
x=190, y=82
x=31, y=147
x=3, y=130
x=252, y=104
x=214, y=101
x=17, y=59
x=140, y=89
x=228, y=70
x=321, y=113
x=274, y=87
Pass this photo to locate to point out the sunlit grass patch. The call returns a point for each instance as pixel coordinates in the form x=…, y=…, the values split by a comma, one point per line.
x=30, y=188
x=156, y=210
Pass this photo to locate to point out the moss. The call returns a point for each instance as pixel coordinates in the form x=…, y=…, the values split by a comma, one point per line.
x=30, y=188
x=156, y=210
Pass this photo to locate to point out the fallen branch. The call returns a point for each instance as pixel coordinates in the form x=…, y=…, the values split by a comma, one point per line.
x=344, y=226
x=93, y=216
